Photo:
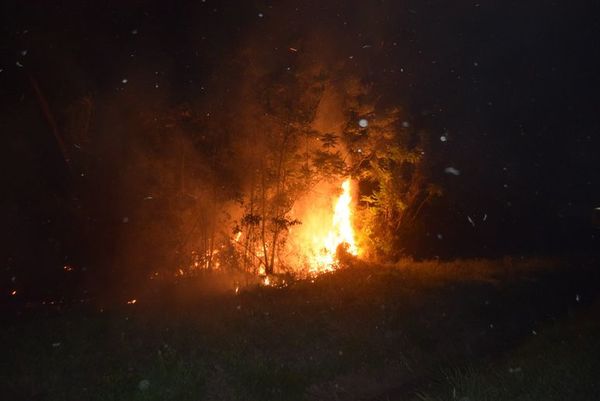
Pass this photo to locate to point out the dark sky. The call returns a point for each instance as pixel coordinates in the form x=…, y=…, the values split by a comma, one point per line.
x=511, y=85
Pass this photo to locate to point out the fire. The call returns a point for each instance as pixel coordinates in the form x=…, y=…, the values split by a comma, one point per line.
x=323, y=257
x=311, y=248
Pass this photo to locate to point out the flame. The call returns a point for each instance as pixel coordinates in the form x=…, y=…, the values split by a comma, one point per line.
x=341, y=232
x=312, y=247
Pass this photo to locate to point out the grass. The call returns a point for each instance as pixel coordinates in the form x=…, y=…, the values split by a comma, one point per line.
x=364, y=333
x=559, y=364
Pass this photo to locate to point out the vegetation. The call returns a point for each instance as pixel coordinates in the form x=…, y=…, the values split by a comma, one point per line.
x=366, y=332
x=560, y=364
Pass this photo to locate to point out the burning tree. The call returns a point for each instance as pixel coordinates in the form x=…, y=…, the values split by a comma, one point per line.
x=281, y=168
x=386, y=155
x=287, y=159
x=294, y=151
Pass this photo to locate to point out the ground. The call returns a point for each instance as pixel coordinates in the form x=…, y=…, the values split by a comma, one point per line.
x=510, y=329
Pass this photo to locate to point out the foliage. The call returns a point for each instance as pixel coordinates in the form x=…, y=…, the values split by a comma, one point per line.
x=386, y=156
x=282, y=164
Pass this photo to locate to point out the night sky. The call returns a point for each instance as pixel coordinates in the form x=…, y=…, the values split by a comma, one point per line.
x=507, y=91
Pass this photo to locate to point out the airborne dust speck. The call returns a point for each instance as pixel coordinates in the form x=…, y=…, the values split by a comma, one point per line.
x=144, y=384
x=451, y=170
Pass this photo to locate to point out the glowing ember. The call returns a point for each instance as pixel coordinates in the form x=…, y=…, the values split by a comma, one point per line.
x=13, y=293
x=131, y=302
x=340, y=233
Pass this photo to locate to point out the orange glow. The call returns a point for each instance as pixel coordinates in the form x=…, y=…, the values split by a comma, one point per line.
x=131, y=302
x=326, y=225
x=340, y=233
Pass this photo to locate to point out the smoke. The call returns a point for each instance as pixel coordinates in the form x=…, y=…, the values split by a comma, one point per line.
x=165, y=120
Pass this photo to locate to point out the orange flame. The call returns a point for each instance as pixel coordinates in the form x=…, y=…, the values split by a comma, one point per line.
x=341, y=232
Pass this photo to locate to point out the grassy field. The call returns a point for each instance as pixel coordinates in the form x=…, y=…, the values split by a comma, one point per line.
x=510, y=329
